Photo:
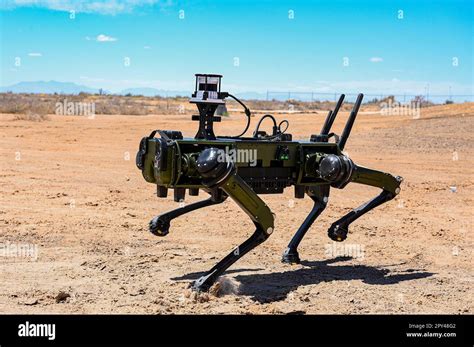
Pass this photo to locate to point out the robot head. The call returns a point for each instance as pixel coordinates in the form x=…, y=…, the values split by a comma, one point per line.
x=207, y=89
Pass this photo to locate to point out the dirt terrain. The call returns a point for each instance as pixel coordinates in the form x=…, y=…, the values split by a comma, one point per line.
x=70, y=188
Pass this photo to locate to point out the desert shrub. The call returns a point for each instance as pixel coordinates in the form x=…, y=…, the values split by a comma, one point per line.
x=32, y=116
x=374, y=101
x=26, y=106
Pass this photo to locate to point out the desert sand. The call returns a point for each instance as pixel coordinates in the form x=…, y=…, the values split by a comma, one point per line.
x=69, y=187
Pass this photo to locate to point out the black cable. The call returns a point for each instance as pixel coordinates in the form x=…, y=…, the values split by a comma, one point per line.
x=240, y=102
x=247, y=113
x=280, y=132
x=287, y=126
x=275, y=127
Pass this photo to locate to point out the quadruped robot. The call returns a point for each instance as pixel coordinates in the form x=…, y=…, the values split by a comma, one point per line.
x=202, y=163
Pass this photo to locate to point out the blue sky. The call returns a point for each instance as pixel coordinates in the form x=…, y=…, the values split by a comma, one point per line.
x=428, y=45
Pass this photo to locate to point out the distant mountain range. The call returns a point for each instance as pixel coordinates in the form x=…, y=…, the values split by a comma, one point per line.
x=154, y=92
x=51, y=87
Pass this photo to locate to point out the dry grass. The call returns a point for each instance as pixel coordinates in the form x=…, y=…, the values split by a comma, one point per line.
x=103, y=104
x=141, y=105
x=31, y=116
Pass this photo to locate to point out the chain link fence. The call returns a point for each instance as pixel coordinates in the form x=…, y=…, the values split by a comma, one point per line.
x=350, y=97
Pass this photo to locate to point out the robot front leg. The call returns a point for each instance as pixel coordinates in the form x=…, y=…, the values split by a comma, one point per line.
x=339, y=229
x=390, y=186
x=320, y=195
x=160, y=224
x=207, y=280
x=226, y=178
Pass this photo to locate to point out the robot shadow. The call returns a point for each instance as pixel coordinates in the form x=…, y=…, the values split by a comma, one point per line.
x=195, y=275
x=270, y=287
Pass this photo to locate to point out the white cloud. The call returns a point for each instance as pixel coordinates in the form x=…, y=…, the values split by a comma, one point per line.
x=105, y=7
x=35, y=54
x=146, y=47
x=105, y=38
x=376, y=60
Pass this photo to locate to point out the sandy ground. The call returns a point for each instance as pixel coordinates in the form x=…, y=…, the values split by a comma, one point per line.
x=70, y=188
